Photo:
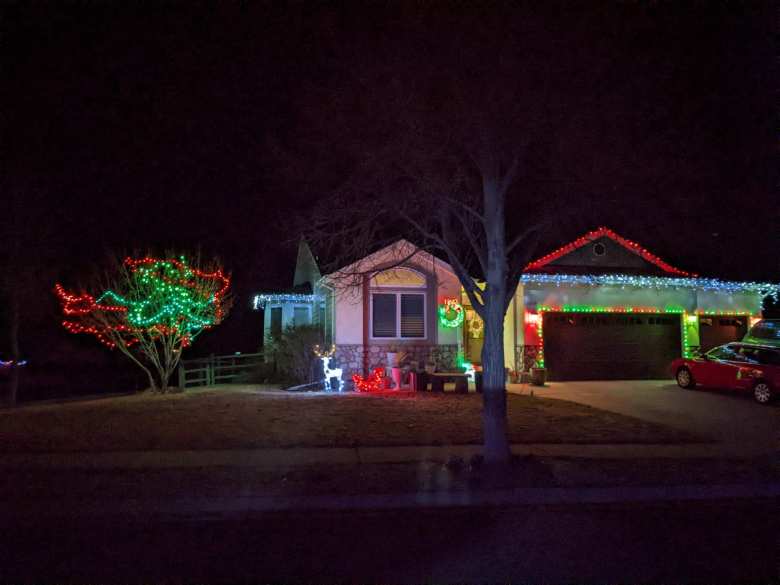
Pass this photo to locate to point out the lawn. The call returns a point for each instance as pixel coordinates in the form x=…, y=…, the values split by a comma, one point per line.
x=251, y=417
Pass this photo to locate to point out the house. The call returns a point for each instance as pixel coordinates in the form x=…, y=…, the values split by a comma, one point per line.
x=373, y=307
x=599, y=307
x=604, y=307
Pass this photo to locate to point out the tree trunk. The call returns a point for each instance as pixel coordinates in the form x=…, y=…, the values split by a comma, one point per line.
x=494, y=425
x=13, y=330
x=494, y=387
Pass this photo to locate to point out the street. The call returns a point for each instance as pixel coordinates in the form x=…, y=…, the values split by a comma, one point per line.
x=716, y=541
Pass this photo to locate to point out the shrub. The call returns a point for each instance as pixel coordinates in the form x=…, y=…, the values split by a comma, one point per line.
x=293, y=354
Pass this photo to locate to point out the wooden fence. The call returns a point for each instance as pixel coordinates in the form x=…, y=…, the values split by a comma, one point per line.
x=219, y=369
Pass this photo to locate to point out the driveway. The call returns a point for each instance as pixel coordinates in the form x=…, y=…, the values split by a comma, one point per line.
x=729, y=418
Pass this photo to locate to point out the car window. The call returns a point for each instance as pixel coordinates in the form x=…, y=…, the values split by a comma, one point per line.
x=726, y=352
x=750, y=354
x=766, y=330
x=768, y=357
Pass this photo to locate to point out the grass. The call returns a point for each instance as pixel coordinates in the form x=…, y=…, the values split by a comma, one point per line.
x=252, y=417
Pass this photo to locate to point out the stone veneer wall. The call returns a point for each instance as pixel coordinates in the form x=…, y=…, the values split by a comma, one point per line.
x=350, y=357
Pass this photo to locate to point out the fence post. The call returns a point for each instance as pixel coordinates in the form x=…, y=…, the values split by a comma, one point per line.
x=210, y=373
x=182, y=381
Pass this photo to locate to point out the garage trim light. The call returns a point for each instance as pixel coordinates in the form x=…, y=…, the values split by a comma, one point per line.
x=624, y=280
x=535, y=319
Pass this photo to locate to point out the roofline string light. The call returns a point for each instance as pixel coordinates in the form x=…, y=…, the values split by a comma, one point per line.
x=657, y=282
x=600, y=233
x=261, y=300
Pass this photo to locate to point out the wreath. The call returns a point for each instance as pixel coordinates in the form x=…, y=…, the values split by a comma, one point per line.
x=476, y=326
x=451, y=313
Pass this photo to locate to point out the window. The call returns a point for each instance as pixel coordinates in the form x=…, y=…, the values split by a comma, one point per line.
x=276, y=322
x=384, y=315
x=765, y=330
x=301, y=316
x=728, y=353
x=768, y=357
x=398, y=315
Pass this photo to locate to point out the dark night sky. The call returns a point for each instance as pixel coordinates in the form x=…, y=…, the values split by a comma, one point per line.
x=149, y=125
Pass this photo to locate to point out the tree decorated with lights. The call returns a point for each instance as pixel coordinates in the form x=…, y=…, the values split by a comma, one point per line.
x=150, y=309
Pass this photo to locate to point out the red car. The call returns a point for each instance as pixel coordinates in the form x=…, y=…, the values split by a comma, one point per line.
x=736, y=366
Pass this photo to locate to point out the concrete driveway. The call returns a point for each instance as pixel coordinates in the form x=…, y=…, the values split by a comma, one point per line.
x=727, y=417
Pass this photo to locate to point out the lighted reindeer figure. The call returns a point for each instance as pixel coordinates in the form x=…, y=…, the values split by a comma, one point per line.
x=330, y=373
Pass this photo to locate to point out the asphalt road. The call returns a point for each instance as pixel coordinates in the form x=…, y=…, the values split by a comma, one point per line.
x=725, y=416
x=713, y=542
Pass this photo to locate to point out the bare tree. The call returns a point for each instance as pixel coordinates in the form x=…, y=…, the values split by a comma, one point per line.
x=151, y=310
x=436, y=154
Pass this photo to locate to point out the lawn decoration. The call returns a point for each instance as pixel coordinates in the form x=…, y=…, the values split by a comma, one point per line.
x=374, y=383
x=451, y=313
x=330, y=373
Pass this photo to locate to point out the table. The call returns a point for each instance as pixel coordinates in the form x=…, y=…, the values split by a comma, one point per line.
x=439, y=378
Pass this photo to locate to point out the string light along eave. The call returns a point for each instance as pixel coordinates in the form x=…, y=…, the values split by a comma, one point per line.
x=260, y=301
x=652, y=282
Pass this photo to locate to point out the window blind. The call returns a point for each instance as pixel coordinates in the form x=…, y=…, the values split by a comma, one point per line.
x=384, y=315
x=412, y=315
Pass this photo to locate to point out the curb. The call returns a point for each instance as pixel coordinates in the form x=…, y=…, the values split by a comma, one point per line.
x=241, y=505
x=292, y=457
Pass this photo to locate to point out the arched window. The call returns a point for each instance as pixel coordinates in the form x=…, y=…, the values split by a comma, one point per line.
x=399, y=277
x=398, y=311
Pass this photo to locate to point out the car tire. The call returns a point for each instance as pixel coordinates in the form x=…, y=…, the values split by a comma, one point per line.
x=762, y=392
x=685, y=379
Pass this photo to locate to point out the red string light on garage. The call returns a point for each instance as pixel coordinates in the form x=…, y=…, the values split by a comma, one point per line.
x=600, y=233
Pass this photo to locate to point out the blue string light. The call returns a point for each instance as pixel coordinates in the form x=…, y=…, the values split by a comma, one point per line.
x=657, y=282
x=260, y=301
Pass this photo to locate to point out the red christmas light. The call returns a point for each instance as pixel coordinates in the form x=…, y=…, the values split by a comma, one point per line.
x=599, y=233
x=174, y=318
x=82, y=304
x=374, y=383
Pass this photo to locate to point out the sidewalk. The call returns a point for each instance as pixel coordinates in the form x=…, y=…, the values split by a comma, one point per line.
x=292, y=457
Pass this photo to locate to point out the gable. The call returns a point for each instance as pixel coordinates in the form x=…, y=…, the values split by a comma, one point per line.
x=399, y=251
x=603, y=251
x=306, y=270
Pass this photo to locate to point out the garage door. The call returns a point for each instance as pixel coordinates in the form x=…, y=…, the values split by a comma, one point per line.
x=610, y=346
x=714, y=331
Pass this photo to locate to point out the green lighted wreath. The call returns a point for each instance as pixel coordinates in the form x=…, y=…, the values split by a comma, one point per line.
x=451, y=313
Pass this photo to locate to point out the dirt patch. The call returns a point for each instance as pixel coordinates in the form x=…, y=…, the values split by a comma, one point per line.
x=248, y=417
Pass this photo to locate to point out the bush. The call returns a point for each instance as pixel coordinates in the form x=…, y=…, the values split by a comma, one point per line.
x=260, y=373
x=293, y=354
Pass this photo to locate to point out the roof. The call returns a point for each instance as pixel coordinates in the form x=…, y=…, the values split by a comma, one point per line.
x=397, y=251
x=603, y=232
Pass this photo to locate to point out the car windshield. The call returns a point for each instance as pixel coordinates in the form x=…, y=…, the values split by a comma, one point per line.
x=766, y=330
